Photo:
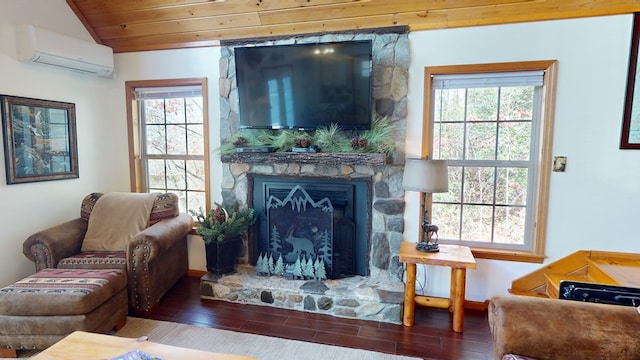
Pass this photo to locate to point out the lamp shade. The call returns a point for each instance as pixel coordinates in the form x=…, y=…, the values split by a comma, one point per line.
x=429, y=176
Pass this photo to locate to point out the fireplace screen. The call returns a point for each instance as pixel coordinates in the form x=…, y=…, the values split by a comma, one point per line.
x=298, y=208
x=300, y=230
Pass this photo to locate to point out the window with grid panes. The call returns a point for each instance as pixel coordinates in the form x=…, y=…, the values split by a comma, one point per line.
x=172, y=145
x=488, y=126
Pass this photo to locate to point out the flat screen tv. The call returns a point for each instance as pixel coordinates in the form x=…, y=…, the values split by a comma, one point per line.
x=305, y=86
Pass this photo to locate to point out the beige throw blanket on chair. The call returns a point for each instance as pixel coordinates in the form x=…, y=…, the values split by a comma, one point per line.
x=117, y=217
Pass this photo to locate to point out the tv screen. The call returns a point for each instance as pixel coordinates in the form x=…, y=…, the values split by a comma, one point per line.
x=305, y=86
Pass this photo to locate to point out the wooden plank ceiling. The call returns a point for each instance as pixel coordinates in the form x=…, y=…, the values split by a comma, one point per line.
x=128, y=25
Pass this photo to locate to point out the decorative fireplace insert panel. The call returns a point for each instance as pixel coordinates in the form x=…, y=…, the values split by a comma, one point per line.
x=314, y=219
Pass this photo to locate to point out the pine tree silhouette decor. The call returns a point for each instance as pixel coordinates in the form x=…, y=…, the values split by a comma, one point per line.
x=320, y=271
x=270, y=265
x=279, y=267
x=307, y=269
x=296, y=269
x=262, y=268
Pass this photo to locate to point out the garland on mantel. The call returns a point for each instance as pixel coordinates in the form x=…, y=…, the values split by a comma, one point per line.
x=332, y=139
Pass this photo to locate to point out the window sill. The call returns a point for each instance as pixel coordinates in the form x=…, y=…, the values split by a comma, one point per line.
x=508, y=255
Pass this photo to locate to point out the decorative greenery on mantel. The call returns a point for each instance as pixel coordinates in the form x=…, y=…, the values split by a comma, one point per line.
x=379, y=139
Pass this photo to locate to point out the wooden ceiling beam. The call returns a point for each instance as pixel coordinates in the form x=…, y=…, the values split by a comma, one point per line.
x=183, y=39
x=180, y=26
x=374, y=8
x=513, y=13
x=102, y=7
x=282, y=13
x=248, y=19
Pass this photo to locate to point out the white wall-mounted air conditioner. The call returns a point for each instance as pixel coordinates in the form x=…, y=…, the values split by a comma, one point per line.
x=46, y=47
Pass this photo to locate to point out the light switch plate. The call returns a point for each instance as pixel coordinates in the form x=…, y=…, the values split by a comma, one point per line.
x=559, y=163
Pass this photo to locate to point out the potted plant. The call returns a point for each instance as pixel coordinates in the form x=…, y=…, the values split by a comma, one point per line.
x=221, y=229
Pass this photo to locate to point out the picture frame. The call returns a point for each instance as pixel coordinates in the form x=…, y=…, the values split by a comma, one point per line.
x=39, y=139
x=630, y=138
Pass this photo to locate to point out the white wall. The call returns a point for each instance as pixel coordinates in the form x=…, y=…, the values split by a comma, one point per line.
x=592, y=205
x=101, y=130
x=101, y=126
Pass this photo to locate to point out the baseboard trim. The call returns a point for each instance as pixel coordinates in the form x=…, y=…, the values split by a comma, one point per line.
x=8, y=353
x=476, y=305
x=196, y=273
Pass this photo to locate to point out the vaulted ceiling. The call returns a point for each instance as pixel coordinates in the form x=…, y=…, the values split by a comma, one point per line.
x=138, y=25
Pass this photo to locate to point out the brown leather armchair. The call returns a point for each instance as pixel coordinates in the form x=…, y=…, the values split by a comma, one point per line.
x=526, y=327
x=153, y=252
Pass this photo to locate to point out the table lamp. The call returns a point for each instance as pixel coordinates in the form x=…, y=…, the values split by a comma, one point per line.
x=426, y=176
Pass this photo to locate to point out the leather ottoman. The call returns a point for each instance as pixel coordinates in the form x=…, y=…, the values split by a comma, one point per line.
x=42, y=308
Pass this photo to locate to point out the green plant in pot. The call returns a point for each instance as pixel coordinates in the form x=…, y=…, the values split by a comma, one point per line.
x=221, y=229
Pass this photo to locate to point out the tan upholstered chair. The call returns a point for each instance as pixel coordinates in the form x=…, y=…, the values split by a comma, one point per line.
x=144, y=234
x=529, y=328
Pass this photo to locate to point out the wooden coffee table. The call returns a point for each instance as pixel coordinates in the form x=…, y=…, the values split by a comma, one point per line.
x=458, y=258
x=84, y=345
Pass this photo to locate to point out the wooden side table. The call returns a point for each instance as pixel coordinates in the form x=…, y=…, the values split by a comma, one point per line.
x=458, y=258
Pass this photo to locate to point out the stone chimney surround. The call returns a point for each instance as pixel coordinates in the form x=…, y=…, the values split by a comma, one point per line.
x=379, y=295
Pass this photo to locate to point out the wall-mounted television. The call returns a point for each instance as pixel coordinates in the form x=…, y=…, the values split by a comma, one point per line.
x=305, y=86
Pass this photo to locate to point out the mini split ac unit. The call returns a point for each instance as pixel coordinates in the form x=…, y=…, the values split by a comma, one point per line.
x=46, y=47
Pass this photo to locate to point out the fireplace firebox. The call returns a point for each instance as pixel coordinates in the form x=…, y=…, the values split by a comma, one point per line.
x=323, y=219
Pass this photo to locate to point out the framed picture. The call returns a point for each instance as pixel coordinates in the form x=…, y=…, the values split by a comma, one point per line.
x=39, y=139
x=631, y=122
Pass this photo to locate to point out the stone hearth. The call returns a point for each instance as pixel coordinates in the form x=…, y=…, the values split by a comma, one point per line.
x=358, y=297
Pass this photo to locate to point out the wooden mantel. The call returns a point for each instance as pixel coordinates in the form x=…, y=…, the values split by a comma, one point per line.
x=330, y=159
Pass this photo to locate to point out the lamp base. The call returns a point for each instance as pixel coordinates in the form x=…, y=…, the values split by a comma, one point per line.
x=427, y=247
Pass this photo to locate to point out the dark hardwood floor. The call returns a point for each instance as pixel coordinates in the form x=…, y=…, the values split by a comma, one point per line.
x=430, y=338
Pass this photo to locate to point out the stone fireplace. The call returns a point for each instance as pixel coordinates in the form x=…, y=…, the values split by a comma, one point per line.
x=375, y=289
